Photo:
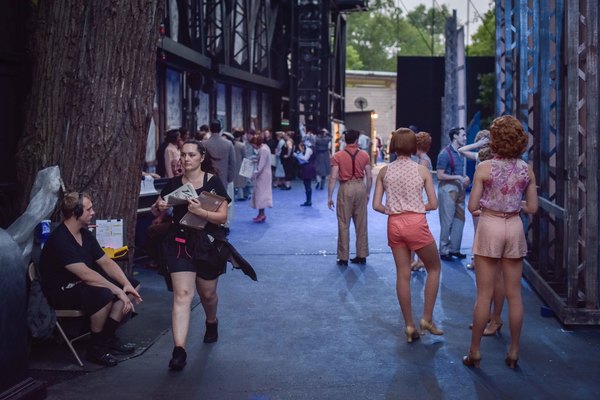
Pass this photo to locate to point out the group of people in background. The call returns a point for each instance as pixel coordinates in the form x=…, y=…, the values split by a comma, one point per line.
x=503, y=187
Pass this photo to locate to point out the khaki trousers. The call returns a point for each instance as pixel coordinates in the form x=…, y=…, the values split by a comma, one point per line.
x=352, y=201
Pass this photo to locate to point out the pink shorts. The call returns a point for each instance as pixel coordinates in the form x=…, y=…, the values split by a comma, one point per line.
x=500, y=235
x=408, y=230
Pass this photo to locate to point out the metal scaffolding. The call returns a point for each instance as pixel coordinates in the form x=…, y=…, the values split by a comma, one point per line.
x=547, y=76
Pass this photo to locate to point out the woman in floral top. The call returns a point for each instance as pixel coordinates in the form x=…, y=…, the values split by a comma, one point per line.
x=497, y=196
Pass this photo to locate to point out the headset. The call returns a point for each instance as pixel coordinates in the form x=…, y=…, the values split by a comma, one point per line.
x=78, y=210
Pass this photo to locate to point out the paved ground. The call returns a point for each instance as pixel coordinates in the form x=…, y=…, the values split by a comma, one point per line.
x=309, y=329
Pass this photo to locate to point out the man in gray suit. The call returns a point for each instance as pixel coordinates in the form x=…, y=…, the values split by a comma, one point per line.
x=222, y=149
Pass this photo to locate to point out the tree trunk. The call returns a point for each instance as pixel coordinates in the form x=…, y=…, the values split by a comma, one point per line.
x=93, y=84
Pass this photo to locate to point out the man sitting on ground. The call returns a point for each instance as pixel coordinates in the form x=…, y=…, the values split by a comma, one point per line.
x=76, y=274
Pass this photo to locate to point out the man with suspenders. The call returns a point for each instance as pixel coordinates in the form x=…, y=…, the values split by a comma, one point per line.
x=351, y=166
x=452, y=184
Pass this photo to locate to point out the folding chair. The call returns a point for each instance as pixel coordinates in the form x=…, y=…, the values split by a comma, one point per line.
x=32, y=274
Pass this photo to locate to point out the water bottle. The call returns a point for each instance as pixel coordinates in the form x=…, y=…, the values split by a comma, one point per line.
x=43, y=232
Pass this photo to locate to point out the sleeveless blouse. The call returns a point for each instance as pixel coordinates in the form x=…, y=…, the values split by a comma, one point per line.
x=403, y=187
x=503, y=190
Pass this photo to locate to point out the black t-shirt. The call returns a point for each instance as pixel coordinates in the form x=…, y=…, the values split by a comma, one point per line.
x=60, y=250
x=214, y=183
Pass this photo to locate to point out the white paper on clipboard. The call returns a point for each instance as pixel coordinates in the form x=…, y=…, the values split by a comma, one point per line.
x=109, y=233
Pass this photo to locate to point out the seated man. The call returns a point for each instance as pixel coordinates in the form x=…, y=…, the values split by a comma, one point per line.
x=76, y=274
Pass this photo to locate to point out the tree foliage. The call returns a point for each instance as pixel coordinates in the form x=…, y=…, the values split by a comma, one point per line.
x=386, y=31
x=353, y=61
x=483, y=41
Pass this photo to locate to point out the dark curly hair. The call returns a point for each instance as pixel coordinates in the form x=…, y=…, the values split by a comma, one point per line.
x=508, y=138
x=423, y=141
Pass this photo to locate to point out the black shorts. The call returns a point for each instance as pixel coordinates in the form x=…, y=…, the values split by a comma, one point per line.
x=202, y=269
x=89, y=299
x=189, y=250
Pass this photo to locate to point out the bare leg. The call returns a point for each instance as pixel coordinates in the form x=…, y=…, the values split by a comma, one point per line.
x=208, y=295
x=431, y=258
x=183, y=293
x=116, y=311
x=98, y=319
x=497, y=304
x=485, y=275
x=402, y=260
x=512, y=270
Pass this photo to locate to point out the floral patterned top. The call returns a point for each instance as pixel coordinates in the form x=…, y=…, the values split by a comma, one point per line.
x=503, y=191
x=403, y=187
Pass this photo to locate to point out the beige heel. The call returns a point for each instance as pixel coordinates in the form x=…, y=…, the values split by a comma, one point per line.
x=429, y=326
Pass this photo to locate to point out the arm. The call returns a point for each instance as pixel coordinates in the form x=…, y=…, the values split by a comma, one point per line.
x=468, y=152
x=231, y=172
x=306, y=156
x=159, y=208
x=171, y=162
x=432, y=203
x=530, y=205
x=93, y=278
x=264, y=160
x=114, y=271
x=482, y=171
x=332, y=180
x=216, y=217
x=379, y=189
x=369, y=179
x=443, y=176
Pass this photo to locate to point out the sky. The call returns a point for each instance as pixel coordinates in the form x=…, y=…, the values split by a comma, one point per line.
x=459, y=5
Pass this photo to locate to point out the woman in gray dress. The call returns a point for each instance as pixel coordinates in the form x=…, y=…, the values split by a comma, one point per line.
x=322, y=157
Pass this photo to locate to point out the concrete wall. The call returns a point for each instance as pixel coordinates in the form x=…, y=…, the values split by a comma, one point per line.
x=379, y=89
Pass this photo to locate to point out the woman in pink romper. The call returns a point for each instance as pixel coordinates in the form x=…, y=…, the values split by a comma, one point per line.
x=403, y=182
x=498, y=188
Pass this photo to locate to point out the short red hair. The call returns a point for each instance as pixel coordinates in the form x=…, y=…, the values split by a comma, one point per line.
x=507, y=137
x=404, y=142
x=423, y=141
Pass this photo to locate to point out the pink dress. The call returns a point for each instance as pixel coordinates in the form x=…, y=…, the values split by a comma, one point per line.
x=262, y=196
x=500, y=230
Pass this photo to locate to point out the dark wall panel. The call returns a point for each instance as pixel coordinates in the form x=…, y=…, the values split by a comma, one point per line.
x=419, y=92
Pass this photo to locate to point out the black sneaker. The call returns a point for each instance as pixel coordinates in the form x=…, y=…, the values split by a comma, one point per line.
x=99, y=355
x=178, y=359
x=306, y=204
x=358, y=260
x=212, y=332
x=115, y=346
x=458, y=255
x=342, y=262
x=446, y=257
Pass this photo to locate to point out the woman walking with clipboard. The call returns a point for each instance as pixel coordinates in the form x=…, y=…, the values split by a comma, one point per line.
x=185, y=249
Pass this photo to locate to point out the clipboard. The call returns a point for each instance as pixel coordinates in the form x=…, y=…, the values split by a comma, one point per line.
x=109, y=232
x=210, y=202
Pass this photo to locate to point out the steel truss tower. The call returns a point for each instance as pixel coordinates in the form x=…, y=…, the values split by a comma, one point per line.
x=547, y=76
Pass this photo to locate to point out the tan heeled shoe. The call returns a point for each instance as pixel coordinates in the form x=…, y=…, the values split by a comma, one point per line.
x=472, y=360
x=492, y=328
x=511, y=360
x=429, y=326
x=411, y=334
